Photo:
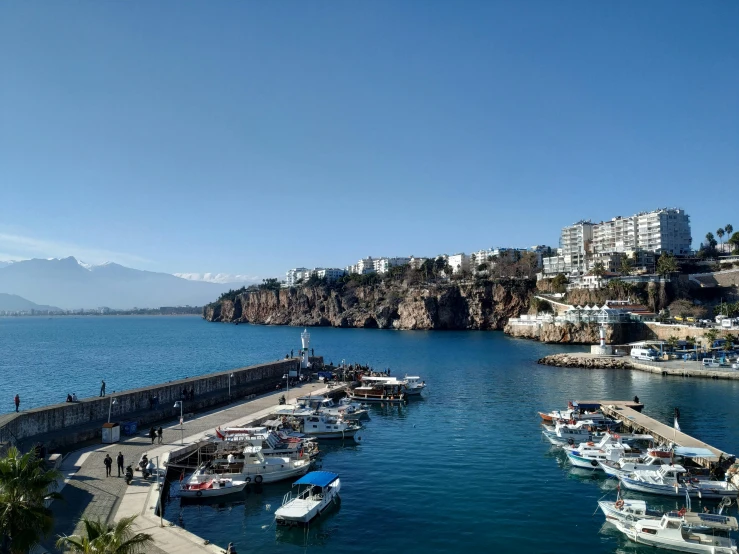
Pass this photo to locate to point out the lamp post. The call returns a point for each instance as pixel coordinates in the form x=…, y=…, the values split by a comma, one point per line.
x=182, y=432
x=150, y=469
x=110, y=407
x=287, y=384
x=229, y=385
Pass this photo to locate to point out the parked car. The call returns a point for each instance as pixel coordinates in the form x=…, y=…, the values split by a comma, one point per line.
x=711, y=362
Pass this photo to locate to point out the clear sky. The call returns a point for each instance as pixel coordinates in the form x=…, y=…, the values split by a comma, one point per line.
x=251, y=137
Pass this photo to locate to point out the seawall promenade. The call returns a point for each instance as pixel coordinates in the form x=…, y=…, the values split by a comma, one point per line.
x=63, y=425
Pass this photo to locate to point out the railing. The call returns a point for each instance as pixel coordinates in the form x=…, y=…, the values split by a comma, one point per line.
x=287, y=498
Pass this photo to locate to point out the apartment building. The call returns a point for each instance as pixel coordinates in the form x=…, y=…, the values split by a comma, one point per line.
x=383, y=265
x=296, y=274
x=329, y=273
x=459, y=262
x=658, y=231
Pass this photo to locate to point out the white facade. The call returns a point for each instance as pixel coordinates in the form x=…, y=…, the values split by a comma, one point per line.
x=296, y=274
x=663, y=230
x=383, y=265
x=575, y=243
x=416, y=263
x=330, y=273
x=459, y=262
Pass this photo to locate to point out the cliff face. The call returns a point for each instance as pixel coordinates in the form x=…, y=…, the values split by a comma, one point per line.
x=469, y=306
x=570, y=333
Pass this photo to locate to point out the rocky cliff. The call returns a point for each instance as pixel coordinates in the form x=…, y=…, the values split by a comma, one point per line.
x=384, y=306
x=570, y=333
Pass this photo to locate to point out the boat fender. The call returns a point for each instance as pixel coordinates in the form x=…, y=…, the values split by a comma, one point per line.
x=570, y=442
x=682, y=512
x=258, y=479
x=594, y=463
x=199, y=493
x=619, y=504
x=616, y=436
x=590, y=443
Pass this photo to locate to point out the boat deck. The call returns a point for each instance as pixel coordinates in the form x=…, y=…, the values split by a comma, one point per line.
x=635, y=421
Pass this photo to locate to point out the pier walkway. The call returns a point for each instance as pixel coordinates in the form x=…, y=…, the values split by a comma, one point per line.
x=88, y=493
x=663, y=434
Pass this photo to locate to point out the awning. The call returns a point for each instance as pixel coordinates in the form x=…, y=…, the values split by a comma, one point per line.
x=317, y=478
x=694, y=452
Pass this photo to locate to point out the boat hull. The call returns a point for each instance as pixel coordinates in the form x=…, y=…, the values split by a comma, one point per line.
x=582, y=462
x=714, y=493
x=367, y=398
x=211, y=493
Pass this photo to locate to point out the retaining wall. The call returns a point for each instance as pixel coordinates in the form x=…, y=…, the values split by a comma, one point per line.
x=75, y=422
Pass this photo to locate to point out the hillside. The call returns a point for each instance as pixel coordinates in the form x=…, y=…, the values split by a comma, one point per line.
x=68, y=284
x=15, y=303
x=486, y=305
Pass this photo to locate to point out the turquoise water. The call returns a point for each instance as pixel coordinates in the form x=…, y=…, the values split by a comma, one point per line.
x=463, y=468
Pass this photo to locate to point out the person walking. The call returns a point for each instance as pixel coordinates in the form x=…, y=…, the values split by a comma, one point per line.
x=102, y=388
x=17, y=402
x=152, y=434
x=159, y=434
x=119, y=460
x=108, y=461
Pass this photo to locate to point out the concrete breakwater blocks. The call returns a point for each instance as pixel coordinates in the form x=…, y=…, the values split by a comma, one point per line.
x=74, y=422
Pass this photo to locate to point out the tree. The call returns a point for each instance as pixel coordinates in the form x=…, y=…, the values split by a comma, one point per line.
x=598, y=269
x=682, y=308
x=666, y=264
x=270, y=284
x=559, y=283
x=729, y=229
x=25, y=486
x=720, y=234
x=710, y=241
x=734, y=241
x=710, y=336
x=729, y=344
x=102, y=538
x=672, y=341
x=626, y=265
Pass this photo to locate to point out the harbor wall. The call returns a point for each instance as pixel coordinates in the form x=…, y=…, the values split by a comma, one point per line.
x=659, y=331
x=73, y=422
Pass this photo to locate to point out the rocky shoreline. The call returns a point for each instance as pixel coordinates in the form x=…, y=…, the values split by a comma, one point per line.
x=585, y=361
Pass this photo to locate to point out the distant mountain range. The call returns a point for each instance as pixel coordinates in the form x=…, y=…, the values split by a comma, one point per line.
x=70, y=284
x=15, y=303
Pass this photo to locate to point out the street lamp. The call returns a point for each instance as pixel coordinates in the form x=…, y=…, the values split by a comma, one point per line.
x=150, y=469
x=182, y=432
x=110, y=408
x=229, y=385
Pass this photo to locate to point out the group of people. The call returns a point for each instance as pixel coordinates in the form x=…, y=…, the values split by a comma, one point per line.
x=155, y=433
x=72, y=397
x=108, y=461
x=187, y=394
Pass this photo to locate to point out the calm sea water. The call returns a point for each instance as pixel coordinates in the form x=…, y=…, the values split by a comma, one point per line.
x=463, y=468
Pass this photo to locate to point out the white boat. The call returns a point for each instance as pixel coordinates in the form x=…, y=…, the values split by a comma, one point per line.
x=671, y=533
x=413, y=385
x=672, y=480
x=588, y=455
x=630, y=464
x=316, y=492
x=252, y=466
x=346, y=410
x=629, y=511
x=212, y=486
x=318, y=425
x=234, y=439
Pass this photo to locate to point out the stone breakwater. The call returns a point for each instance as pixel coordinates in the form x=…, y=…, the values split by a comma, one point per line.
x=479, y=306
x=585, y=361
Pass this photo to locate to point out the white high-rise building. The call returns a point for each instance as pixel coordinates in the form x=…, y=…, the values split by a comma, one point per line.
x=575, y=243
x=459, y=262
x=383, y=265
x=659, y=231
x=296, y=274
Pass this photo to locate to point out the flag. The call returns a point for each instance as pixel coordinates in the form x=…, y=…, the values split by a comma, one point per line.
x=677, y=418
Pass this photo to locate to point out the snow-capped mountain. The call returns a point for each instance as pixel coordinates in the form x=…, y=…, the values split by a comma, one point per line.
x=71, y=284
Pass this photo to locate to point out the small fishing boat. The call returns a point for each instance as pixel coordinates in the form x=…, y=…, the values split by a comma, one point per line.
x=630, y=511
x=674, y=480
x=318, y=425
x=588, y=455
x=195, y=487
x=234, y=439
x=346, y=410
x=671, y=533
x=413, y=385
x=252, y=466
x=316, y=492
x=582, y=431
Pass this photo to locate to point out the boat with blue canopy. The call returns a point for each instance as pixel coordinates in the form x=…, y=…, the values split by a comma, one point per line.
x=316, y=492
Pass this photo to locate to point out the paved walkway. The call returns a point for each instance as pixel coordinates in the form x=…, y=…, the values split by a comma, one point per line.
x=88, y=493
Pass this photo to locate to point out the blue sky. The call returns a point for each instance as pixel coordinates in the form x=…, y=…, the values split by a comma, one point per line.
x=250, y=137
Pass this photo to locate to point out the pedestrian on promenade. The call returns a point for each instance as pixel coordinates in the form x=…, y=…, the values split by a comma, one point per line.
x=108, y=461
x=119, y=459
x=17, y=402
x=102, y=388
x=231, y=548
x=152, y=434
x=159, y=434
x=74, y=397
x=192, y=393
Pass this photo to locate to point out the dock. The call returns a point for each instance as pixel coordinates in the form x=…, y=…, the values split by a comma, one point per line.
x=629, y=413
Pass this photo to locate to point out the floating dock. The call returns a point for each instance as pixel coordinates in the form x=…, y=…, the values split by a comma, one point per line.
x=629, y=413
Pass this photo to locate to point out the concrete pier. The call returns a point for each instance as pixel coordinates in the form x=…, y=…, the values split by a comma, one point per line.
x=87, y=492
x=637, y=422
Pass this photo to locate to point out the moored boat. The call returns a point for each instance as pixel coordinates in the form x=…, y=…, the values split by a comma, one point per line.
x=214, y=485
x=252, y=466
x=673, y=480
x=671, y=533
x=316, y=492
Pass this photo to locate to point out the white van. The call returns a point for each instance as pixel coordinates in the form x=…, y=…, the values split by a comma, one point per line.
x=711, y=362
x=647, y=354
